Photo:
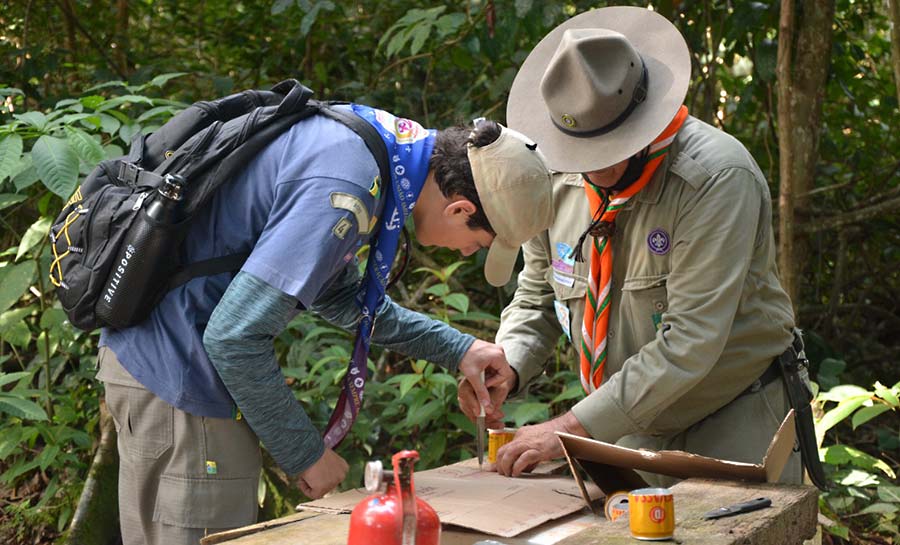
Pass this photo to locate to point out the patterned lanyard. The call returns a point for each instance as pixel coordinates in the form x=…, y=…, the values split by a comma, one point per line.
x=409, y=148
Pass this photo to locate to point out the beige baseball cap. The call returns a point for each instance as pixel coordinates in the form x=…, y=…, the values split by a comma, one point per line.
x=513, y=184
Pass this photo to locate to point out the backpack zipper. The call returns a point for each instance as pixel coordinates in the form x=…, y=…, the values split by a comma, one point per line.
x=140, y=201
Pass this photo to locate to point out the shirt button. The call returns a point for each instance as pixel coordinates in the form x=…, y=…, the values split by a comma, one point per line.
x=659, y=306
x=611, y=333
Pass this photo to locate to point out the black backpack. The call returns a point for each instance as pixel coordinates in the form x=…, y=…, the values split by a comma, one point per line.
x=114, y=255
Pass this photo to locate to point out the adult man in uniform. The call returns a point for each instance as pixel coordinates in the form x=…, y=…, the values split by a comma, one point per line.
x=660, y=264
x=176, y=382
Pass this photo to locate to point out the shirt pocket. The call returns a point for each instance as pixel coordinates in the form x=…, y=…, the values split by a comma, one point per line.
x=568, y=293
x=644, y=302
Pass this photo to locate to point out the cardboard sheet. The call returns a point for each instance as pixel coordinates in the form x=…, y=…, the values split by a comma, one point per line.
x=483, y=501
x=612, y=467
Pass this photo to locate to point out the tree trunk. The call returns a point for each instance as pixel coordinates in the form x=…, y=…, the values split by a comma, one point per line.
x=71, y=41
x=96, y=519
x=804, y=55
x=895, y=43
x=122, y=36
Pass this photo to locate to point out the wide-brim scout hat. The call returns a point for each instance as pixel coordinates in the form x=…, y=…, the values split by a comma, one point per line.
x=513, y=184
x=600, y=87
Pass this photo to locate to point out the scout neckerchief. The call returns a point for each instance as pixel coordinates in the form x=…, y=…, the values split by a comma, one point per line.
x=409, y=147
x=597, y=301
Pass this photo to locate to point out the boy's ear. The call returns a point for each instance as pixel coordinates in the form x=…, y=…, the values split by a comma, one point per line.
x=459, y=205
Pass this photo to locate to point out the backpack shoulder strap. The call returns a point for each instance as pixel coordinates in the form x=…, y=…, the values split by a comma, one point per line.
x=365, y=131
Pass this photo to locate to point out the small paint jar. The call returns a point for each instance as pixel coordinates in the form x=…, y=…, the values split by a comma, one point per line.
x=651, y=513
x=496, y=439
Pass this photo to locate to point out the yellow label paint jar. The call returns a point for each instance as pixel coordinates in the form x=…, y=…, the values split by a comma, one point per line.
x=496, y=439
x=651, y=513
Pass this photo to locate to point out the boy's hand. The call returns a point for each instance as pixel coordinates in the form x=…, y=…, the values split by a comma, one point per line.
x=321, y=477
x=499, y=380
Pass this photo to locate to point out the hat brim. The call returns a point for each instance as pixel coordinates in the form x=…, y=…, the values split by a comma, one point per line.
x=500, y=261
x=668, y=62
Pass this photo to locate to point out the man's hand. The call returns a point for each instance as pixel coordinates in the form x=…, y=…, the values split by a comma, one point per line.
x=534, y=444
x=321, y=477
x=499, y=379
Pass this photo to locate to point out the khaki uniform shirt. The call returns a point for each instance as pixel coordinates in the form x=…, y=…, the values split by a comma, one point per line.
x=697, y=311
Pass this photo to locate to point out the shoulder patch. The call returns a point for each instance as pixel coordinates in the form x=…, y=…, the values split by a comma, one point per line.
x=354, y=205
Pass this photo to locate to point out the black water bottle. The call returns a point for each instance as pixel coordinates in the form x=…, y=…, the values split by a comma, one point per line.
x=147, y=256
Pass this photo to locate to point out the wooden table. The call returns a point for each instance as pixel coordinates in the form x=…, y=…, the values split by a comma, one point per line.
x=790, y=521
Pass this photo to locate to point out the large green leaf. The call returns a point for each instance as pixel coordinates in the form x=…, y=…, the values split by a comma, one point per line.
x=571, y=392
x=425, y=413
x=407, y=382
x=88, y=149
x=10, y=155
x=57, y=164
x=844, y=409
x=14, y=316
x=109, y=124
x=21, y=407
x=9, y=441
x=47, y=456
x=438, y=289
x=842, y=392
x=523, y=413
x=9, y=199
x=162, y=79
x=27, y=175
x=843, y=454
x=124, y=99
x=880, y=508
x=9, y=378
x=18, y=334
x=14, y=281
x=868, y=413
x=35, y=119
x=34, y=235
x=458, y=301
x=889, y=493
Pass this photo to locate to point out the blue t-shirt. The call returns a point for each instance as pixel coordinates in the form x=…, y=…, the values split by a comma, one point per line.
x=281, y=208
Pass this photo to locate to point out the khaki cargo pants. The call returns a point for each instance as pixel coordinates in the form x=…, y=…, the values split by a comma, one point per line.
x=180, y=476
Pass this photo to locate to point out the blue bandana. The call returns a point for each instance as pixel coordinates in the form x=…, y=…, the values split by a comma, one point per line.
x=409, y=148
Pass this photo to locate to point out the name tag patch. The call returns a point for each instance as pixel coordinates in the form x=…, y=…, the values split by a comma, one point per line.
x=562, y=279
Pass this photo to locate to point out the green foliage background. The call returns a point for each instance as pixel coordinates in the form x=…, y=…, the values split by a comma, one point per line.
x=78, y=83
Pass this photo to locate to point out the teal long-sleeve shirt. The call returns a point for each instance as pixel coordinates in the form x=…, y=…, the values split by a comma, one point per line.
x=239, y=341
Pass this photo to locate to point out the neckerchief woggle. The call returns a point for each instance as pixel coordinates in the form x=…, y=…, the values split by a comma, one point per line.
x=409, y=147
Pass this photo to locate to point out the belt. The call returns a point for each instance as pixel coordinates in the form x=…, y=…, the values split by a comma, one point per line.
x=773, y=371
